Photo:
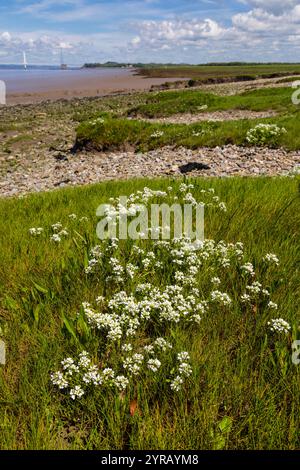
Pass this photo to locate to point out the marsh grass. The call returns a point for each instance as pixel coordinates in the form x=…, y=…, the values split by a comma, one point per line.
x=244, y=391
x=117, y=132
x=191, y=101
x=208, y=72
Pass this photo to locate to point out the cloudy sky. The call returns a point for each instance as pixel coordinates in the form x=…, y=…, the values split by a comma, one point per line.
x=193, y=31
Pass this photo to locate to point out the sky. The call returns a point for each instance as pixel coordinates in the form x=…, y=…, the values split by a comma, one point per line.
x=190, y=31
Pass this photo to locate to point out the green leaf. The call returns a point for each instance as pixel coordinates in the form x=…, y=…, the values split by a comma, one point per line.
x=36, y=313
x=219, y=443
x=41, y=289
x=70, y=328
x=225, y=425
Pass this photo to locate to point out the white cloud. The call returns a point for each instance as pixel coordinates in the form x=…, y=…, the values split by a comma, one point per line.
x=136, y=40
x=272, y=27
x=5, y=37
x=177, y=32
x=273, y=6
x=269, y=30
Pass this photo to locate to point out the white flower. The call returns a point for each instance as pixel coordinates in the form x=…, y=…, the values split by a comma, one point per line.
x=216, y=281
x=131, y=270
x=245, y=298
x=278, y=325
x=222, y=207
x=254, y=288
x=248, y=268
x=76, y=392
x=92, y=376
x=149, y=349
x=72, y=216
x=272, y=306
x=133, y=363
x=196, y=318
x=63, y=233
x=56, y=227
x=59, y=379
x=55, y=238
x=36, y=231
x=185, y=369
x=162, y=344
x=107, y=374
x=97, y=121
x=271, y=258
x=264, y=133
x=154, y=364
x=121, y=382
x=183, y=356
x=67, y=363
x=177, y=383
x=157, y=134
x=84, y=360
x=221, y=298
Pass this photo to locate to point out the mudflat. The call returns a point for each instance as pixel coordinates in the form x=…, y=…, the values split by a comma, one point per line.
x=28, y=87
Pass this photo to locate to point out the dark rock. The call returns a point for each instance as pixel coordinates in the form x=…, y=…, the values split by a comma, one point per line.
x=193, y=166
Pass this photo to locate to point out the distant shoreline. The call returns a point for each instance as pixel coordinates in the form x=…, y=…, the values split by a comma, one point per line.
x=82, y=83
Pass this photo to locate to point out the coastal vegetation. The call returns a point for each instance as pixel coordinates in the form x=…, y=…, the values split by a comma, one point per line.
x=140, y=344
x=218, y=73
x=235, y=387
x=136, y=127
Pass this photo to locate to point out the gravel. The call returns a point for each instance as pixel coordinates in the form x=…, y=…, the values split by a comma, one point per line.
x=50, y=172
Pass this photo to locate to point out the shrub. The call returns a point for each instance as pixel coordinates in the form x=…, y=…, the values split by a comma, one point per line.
x=265, y=135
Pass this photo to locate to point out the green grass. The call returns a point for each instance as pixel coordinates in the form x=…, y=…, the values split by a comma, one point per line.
x=213, y=72
x=117, y=132
x=237, y=374
x=190, y=101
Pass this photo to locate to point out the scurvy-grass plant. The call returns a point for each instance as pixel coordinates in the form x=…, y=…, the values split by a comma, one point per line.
x=243, y=376
x=133, y=325
x=265, y=134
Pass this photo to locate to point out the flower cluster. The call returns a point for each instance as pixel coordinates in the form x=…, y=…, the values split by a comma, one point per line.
x=58, y=232
x=79, y=376
x=265, y=134
x=152, y=288
x=97, y=121
x=271, y=258
x=36, y=231
x=278, y=325
x=184, y=370
x=157, y=134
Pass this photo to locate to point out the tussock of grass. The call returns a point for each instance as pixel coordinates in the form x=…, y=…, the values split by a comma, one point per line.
x=236, y=375
x=189, y=101
x=123, y=134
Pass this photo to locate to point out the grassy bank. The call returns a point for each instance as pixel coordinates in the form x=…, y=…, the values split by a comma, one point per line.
x=114, y=131
x=243, y=392
x=194, y=101
x=207, y=73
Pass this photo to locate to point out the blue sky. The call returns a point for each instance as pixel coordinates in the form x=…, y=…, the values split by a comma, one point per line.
x=193, y=31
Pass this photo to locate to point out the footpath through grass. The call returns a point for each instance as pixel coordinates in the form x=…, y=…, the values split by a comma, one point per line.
x=244, y=390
